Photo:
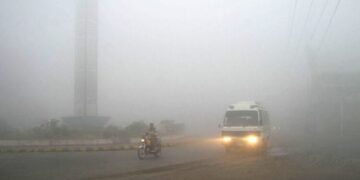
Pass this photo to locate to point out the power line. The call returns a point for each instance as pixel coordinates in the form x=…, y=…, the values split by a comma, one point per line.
x=328, y=26
x=318, y=21
x=305, y=24
x=292, y=21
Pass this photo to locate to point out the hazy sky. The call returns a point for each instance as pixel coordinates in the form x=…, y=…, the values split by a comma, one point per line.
x=184, y=60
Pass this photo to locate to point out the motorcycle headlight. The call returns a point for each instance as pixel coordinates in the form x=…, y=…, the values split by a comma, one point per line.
x=252, y=139
x=142, y=140
x=227, y=139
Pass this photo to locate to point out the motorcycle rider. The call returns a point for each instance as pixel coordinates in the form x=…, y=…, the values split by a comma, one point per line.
x=150, y=143
x=152, y=134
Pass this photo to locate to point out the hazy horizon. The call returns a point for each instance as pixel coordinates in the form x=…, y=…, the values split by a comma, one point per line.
x=180, y=60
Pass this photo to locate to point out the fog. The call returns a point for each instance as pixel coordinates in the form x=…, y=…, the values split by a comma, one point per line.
x=180, y=59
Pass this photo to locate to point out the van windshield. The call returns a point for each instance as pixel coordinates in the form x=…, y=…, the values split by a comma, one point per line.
x=241, y=118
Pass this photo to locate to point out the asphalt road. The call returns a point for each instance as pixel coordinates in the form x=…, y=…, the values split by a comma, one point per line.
x=251, y=167
x=83, y=165
x=193, y=161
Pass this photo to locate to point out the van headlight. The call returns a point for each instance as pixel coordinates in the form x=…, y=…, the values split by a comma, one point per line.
x=142, y=140
x=227, y=139
x=252, y=139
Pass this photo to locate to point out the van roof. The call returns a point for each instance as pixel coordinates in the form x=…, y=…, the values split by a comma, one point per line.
x=245, y=105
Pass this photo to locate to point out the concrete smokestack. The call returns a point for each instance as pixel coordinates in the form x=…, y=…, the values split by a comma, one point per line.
x=85, y=116
x=85, y=97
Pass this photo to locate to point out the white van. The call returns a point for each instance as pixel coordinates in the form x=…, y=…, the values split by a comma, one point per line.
x=246, y=125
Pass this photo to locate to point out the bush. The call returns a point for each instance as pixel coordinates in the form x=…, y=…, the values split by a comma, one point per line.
x=113, y=131
x=6, y=131
x=171, y=128
x=136, y=129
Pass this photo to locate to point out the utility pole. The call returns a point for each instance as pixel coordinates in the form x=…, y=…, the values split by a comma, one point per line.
x=342, y=115
x=342, y=102
x=312, y=95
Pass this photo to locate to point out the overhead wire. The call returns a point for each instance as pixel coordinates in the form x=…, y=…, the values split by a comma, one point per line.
x=319, y=19
x=292, y=21
x=304, y=27
x=328, y=26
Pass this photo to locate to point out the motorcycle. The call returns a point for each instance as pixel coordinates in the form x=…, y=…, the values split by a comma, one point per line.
x=148, y=146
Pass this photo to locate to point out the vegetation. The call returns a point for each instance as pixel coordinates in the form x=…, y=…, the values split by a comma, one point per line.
x=135, y=129
x=55, y=129
x=170, y=127
x=51, y=129
x=6, y=131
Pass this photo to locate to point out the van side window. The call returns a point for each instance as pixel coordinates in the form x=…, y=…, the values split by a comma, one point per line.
x=261, y=119
x=266, y=118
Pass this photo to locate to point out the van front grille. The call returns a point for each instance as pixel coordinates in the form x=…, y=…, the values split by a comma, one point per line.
x=239, y=133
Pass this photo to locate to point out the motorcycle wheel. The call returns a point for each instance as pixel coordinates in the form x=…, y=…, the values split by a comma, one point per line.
x=141, y=153
x=158, y=153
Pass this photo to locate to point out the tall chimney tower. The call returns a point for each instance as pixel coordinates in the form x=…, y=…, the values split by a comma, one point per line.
x=85, y=116
x=85, y=97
